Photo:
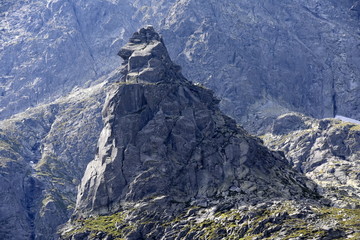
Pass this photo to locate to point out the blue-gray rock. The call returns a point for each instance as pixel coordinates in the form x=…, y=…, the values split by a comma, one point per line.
x=262, y=59
x=43, y=154
x=267, y=58
x=326, y=150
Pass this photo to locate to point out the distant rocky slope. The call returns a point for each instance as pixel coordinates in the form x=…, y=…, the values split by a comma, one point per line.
x=49, y=47
x=43, y=155
x=170, y=165
x=266, y=58
x=256, y=56
x=327, y=151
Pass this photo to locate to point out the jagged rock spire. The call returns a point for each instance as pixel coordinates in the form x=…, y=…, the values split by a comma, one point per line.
x=146, y=59
x=171, y=141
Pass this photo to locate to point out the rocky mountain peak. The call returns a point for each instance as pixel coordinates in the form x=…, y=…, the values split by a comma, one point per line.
x=146, y=59
x=170, y=141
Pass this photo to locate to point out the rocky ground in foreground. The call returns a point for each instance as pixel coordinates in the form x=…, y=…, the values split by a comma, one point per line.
x=268, y=220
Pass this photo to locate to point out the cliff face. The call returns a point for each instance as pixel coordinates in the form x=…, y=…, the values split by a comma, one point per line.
x=261, y=58
x=256, y=56
x=14, y=217
x=70, y=44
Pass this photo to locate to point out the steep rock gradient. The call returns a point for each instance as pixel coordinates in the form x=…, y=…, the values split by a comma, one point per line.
x=65, y=40
x=165, y=140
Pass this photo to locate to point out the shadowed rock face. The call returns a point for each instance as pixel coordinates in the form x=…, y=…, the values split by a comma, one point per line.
x=38, y=61
x=356, y=7
x=43, y=155
x=165, y=137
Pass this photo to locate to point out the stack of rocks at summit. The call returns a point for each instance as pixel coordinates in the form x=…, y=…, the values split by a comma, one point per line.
x=165, y=137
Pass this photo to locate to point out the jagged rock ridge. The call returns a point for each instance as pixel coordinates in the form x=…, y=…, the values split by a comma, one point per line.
x=24, y=69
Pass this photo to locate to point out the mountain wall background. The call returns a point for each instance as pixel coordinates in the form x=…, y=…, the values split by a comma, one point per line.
x=261, y=58
x=58, y=58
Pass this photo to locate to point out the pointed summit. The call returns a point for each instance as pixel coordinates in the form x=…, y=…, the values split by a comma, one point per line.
x=170, y=141
x=146, y=59
x=166, y=150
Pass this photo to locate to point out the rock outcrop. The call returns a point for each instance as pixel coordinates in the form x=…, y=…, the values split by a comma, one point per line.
x=327, y=151
x=262, y=59
x=166, y=143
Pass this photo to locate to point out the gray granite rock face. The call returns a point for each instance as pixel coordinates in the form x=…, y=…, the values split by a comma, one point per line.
x=267, y=58
x=262, y=59
x=146, y=59
x=43, y=155
x=49, y=47
x=356, y=7
x=165, y=137
x=13, y=201
x=21, y=190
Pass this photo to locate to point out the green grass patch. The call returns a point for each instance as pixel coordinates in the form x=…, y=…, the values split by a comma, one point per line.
x=114, y=225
